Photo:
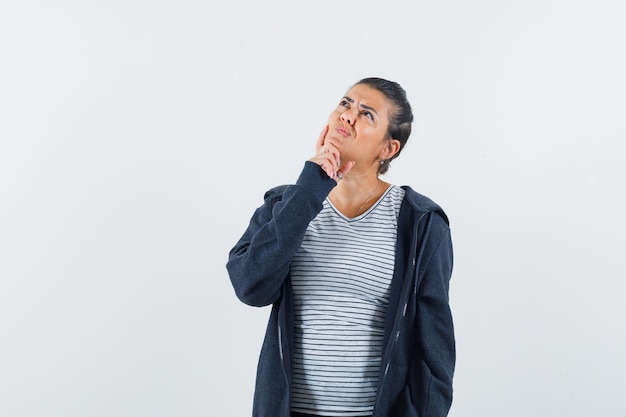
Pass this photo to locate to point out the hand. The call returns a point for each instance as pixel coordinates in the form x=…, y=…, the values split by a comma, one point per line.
x=328, y=158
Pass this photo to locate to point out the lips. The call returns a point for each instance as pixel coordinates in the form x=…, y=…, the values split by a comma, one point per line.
x=343, y=132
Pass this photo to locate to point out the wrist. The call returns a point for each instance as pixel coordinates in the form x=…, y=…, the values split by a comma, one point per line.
x=315, y=180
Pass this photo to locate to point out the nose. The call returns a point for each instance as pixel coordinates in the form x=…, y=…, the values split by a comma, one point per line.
x=348, y=116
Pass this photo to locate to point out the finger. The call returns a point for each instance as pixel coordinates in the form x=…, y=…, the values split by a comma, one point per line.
x=330, y=148
x=327, y=162
x=344, y=169
x=320, y=140
x=330, y=165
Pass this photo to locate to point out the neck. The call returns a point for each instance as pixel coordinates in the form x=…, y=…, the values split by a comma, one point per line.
x=358, y=179
x=353, y=186
x=354, y=195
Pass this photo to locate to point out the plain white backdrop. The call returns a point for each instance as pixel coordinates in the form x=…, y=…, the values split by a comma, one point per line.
x=137, y=138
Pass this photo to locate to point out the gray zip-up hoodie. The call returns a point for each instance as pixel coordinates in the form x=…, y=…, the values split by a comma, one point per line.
x=418, y=351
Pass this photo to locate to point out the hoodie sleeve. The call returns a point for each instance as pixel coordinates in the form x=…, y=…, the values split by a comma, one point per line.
x=259, y=262
x=435, y=326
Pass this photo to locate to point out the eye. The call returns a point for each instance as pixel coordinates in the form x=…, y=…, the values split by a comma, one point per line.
x=368, y=114
x=344, y=103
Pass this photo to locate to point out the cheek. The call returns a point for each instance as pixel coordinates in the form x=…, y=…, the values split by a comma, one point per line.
x=373, y=132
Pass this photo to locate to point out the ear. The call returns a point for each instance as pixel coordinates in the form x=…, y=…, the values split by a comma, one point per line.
x=392, y=147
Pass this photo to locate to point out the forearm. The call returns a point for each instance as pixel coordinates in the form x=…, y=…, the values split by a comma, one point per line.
x=259, y=262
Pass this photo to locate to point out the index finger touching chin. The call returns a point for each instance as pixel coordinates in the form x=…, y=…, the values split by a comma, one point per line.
x=320, y=139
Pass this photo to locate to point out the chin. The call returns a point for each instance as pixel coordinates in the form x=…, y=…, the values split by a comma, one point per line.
x=333, y=141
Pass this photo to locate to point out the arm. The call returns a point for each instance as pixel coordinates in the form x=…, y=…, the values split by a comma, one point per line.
x=259, y=262
x=435, y=328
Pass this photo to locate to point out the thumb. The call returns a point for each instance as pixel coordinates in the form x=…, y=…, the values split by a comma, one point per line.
x=345, y=168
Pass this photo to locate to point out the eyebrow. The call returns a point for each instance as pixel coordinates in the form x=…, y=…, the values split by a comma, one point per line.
x=365, y=106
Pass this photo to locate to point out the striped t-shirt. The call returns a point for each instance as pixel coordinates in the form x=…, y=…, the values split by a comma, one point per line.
x=341, y=277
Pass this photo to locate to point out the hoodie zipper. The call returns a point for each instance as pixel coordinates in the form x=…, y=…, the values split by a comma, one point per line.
x=392, y=342
x=280, y=343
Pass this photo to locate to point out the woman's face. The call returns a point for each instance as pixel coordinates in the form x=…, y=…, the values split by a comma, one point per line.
x=358, y=126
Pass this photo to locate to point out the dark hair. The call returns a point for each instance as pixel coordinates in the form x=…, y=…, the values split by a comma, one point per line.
x=401, y=118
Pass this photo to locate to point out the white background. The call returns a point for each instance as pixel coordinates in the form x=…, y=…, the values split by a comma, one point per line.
x=137, y=138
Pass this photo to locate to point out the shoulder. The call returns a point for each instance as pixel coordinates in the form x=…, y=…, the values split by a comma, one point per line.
x=423, y=204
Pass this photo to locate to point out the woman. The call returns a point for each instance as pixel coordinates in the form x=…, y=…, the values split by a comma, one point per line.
x=357, y=271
